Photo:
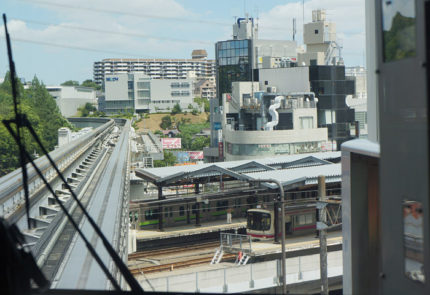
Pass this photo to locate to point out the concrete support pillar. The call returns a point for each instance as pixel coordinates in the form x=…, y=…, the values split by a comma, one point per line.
x=197, y=191
x=160, y=208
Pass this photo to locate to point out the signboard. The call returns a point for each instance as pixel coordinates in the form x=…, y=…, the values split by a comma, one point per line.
x=196, y=155
x=217, y=125
x=328, y=146
x=220, y=150
x=111, y=79
x=171, y=143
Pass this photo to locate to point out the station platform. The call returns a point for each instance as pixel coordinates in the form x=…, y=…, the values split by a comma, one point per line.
x=294, y=244
x=191, y=229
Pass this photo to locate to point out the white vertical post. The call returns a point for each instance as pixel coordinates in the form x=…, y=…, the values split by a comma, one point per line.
x=323, y=237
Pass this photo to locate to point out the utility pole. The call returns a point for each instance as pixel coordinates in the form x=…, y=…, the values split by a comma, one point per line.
x=322, y=225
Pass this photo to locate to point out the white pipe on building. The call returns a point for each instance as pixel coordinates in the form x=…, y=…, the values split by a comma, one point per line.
x=275, y=116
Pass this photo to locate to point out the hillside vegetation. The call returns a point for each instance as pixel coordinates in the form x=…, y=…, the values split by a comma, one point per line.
x=41, y=110
x=153, y=121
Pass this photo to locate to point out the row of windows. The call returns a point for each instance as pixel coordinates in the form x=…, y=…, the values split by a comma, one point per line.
x=143, y=85
x=180, y=85
x=235, y=60
x=166, y=101
x=272, y=149
x=232, y=44
x=233, y=52
x=119, y=103
x=152, y=214
x=180, y=93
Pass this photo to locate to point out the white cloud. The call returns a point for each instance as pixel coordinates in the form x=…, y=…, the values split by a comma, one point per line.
x=167, y=18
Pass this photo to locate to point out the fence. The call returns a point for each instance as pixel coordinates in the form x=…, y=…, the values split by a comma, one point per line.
x=234, y=243
x=246, y=278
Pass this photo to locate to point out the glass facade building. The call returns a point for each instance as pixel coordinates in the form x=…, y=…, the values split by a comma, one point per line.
x=233, y=62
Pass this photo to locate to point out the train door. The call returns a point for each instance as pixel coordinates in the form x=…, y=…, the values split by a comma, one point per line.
x=288, y=225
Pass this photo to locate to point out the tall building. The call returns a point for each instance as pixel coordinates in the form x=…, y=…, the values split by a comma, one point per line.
x=239, y=59
x=137, y=92
x=272, y=123
x=319, y=37
x=358, y=101
x=156, y=68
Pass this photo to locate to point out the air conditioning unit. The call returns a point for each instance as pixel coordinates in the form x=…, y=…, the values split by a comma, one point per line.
x=271, y=89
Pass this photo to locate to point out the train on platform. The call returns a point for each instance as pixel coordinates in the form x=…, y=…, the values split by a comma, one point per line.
x=300, y=218
x=145, y=215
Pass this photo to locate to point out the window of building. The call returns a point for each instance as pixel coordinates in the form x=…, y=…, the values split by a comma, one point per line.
x=181, y=211
x=151, y=214
x=221, y=205
x=130, y=85
x=306, y=122
x=316, y=31
x=143, y=85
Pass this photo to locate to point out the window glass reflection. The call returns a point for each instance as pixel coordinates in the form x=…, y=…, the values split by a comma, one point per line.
x=413, y=240
x=398, y=24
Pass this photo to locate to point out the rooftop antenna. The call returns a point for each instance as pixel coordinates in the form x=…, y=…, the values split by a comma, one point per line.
x=303, y=7
x=294, y=29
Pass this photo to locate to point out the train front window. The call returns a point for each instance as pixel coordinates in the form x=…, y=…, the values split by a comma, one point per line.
x=258, y=221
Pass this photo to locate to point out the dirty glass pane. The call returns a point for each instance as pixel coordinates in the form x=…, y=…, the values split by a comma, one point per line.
x=398, y=24
x=413, y=240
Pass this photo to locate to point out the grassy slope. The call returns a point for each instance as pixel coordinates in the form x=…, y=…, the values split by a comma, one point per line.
x=154, y=120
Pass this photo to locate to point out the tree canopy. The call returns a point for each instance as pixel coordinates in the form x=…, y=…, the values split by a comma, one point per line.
x=42, y=112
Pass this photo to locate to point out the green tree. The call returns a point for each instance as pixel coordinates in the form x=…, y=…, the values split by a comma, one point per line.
x=169, y=160
x=42, y=112
x=199, y=143
x=91, y=83
x=203, y=102
x=70, y=83
x=176, y=109
x=166, y=122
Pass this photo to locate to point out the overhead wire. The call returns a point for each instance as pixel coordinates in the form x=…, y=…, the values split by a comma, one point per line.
x=127, y=13
x=96, y=30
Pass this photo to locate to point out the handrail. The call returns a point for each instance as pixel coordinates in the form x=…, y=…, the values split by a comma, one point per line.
x=11, y=184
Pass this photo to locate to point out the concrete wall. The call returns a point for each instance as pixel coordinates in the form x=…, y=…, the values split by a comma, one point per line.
x=70, y=98
x=116, y=87
x=326, y=32
x=275, y=136
x=161, y=94
x=285, y=79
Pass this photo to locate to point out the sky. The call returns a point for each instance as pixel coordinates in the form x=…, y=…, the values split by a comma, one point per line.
x=59, y=40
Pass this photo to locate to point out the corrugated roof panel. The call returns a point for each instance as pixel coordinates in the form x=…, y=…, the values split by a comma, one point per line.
x=166, y=171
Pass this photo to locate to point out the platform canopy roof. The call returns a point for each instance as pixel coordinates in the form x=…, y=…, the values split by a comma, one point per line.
x=304, y=168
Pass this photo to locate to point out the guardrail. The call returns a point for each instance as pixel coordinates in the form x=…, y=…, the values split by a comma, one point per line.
x=235, y=243
x=11, y=191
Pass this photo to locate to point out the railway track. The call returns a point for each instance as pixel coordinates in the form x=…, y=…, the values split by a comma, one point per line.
x=173, y=250
x=175, y=265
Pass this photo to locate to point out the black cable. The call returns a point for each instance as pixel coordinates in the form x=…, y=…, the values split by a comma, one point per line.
x=18, y=122
x=72, y=221
x=87, y=29
x=134, y=285
x=22, y=121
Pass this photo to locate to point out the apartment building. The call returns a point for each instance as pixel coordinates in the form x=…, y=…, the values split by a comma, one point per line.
x=156, y=68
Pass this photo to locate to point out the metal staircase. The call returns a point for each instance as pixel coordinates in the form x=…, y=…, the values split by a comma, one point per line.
x=242, y=259
x=218, y=256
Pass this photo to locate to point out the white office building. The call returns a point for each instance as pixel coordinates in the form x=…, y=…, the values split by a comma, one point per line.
x=70, y=98
x=140, y=93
